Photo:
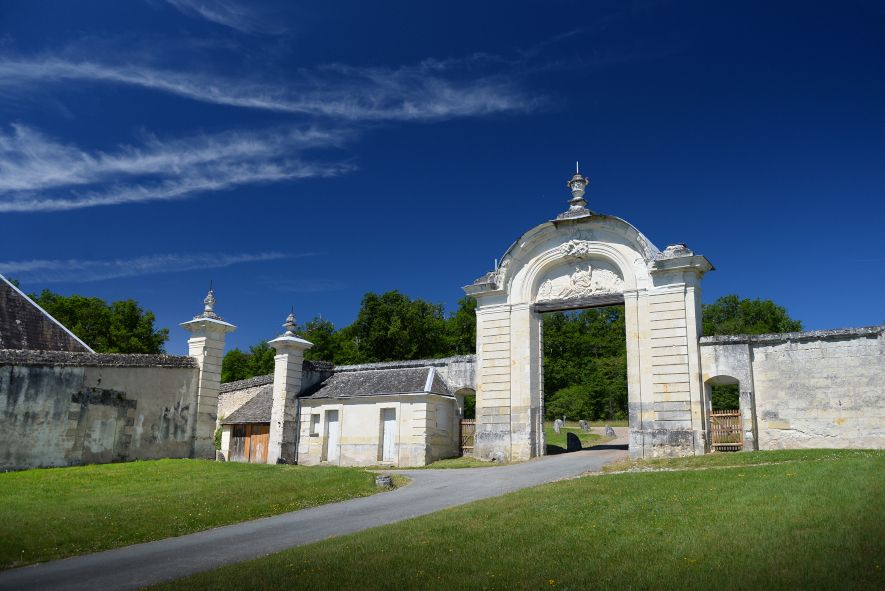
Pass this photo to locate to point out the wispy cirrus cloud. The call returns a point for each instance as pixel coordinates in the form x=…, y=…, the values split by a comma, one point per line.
x=38, y=173
x=84, y=271
x=422, y=92
x=229, y=13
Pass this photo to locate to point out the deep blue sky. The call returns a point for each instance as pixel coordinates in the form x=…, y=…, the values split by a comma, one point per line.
x=310, y=153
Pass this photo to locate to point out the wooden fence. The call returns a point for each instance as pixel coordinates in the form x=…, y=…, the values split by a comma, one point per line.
x=468, y=436
x=726, y=430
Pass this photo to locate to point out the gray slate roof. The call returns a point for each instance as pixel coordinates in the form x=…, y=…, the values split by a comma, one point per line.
x=379, y=382
x=347, y=384
x=26, y=326
x=247, y=383
x=255, y=410
x=57, y=358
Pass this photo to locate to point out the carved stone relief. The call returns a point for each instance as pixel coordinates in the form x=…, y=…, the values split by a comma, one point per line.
x=586, y=280
x=575, y=248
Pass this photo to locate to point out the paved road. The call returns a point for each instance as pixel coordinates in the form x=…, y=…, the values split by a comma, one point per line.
x=133, y=567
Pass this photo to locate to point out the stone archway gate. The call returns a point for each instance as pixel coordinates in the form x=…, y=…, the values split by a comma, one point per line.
x=580, y=260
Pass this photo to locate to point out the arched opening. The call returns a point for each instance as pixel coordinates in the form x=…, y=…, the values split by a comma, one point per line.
x=576, y=263
x=725, y=424
x=585, y=377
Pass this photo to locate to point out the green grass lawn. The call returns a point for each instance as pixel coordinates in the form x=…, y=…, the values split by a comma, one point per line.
x=805, y=520
x=557, y=442
x=57, y=512
x=462, y=462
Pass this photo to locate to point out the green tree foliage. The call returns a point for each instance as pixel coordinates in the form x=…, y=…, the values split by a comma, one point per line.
x=732, y=315
x=326, y=344
x=392, y=326
x=119, y=327
x=389, y=327
x=585, y=364
x=461, y=328
x=238, y=365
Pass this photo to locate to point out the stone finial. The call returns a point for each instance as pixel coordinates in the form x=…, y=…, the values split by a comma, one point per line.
x=577, y=204
x=290, y=325
x=208, y=307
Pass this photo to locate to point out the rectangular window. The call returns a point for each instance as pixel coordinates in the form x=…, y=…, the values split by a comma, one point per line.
x=314, y=425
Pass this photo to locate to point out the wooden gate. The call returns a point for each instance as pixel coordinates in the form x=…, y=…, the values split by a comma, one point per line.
x=468, y=436
x=726, y=430
x=248, y=443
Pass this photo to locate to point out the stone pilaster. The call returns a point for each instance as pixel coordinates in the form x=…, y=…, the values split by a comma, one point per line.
x=206, y=346
x=288, y=366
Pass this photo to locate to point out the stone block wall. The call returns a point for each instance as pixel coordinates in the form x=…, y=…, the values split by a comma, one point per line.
x=60, y=409
x=493, y=382
x=816, y=389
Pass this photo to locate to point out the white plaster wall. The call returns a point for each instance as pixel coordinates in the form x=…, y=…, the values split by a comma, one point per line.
x=225, y=440
x=418, y=441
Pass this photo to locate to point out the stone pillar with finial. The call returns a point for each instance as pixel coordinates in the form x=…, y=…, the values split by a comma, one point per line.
x=287, y=369
x=206, y=345
x=577, y=204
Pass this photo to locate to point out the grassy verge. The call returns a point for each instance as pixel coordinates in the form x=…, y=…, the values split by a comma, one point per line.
x=58, y=512
x=462, y=462
x=803, y=521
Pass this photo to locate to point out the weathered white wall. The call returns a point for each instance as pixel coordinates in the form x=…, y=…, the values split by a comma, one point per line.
x=822, y=389
x=418, y=440
x=54, y=414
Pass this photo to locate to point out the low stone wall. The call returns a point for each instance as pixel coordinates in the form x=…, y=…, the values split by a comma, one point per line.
x=815, y=389
x=60, y=409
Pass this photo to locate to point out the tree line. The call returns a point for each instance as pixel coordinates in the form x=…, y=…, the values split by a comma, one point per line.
x=388, y=327
x=585, y=357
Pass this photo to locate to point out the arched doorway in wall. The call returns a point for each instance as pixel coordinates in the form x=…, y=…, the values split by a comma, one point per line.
x=724, y=413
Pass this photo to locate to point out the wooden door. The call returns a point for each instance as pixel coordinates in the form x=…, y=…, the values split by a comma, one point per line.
x=388, y=434
x=239, y=443
x=333, y=434
x=726, y=430
x=468, y=436
x=258, y=443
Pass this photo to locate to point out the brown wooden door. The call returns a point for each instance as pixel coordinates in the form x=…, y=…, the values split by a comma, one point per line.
x=259, y=440
x=726, y=430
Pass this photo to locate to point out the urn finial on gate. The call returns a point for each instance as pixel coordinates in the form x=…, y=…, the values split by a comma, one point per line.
x=290, y=325
x=577, y=204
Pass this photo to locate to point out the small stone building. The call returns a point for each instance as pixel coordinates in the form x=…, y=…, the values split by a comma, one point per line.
x=399, y=413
